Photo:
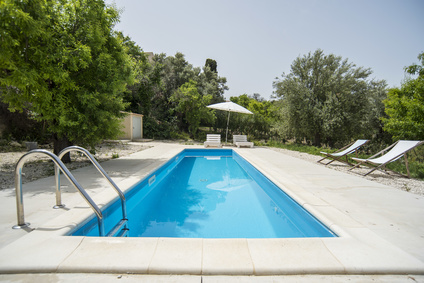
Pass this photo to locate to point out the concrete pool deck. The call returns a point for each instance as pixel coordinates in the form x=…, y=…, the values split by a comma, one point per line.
x=381, y=229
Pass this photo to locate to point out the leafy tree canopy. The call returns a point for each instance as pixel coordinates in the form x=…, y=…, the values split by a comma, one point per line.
x=325, y=98
x=405, y=106
x=258, y=125
x=212, y=65
x=416, y=69
x=191, y=106
x=62, y=60
x=159, y=85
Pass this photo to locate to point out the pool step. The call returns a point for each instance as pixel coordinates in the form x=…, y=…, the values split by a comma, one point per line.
x=120, y=229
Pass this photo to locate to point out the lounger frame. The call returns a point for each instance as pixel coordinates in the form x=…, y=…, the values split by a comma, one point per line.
x=336, y=156
x=382, y=166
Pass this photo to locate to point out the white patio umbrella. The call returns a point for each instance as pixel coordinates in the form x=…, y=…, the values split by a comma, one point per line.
x=229, y=107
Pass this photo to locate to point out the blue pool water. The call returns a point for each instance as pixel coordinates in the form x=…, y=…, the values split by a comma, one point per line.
x=211, y=193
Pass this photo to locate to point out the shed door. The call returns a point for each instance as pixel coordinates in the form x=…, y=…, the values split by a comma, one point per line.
x=136, y=122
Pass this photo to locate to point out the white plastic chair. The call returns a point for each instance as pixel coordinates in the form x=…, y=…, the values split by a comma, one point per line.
x=241, y=140
x=212, y=140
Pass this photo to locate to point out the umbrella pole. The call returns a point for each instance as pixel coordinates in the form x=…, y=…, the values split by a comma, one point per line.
x=226, y=133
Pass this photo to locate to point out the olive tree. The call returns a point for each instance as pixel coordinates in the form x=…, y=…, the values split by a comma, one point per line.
x=324, y=99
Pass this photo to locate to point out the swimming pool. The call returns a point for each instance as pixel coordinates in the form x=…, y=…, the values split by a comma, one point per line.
x=209, y=193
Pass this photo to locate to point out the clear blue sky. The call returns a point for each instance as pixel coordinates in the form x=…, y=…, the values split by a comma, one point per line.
x=254, y=42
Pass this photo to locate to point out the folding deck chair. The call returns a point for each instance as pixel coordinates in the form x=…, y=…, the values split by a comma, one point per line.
x=212, y=140
x=389, y=154
x=344, y=152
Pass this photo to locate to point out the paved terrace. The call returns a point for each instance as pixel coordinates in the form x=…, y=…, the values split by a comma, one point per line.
x=381, y=231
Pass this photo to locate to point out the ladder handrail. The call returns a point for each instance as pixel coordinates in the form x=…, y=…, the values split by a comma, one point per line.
x=98, y=167
x=66, y=172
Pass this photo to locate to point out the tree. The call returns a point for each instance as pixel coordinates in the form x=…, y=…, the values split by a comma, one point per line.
x=191, y=106
x=175, y=71
x=416, y=69
x=324, y=98
x=211, y=64
x=62, y=60
x=157, y=80
x=140, y=95
x=258, y=125
x=405, y=106
x=209, y=83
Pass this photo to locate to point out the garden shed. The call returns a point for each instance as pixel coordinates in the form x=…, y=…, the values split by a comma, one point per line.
x=132, y=126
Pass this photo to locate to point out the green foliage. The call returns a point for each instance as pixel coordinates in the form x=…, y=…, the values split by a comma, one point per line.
x=258, y=125
x=62, y=61
x=155, y=129
x=161, y=81
x=211, y=64
x=180, y=136
x=325, y=98
x=209, y=83
x=405, y=107
x=190, y=105
x=21, y=125
x=416, y=69
x=416, y=168
x=141, y=94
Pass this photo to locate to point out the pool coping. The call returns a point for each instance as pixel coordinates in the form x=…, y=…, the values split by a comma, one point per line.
x=357, y=250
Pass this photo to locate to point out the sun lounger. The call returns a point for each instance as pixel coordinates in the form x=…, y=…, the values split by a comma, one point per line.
x=389, y=154
x=241, y=140
x=344, y=152
x=213, y=140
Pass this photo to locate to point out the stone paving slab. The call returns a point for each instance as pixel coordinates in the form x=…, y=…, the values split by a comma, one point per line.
x=130, y=278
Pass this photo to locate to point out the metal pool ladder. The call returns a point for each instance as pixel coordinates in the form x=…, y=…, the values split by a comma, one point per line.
x=120, y=229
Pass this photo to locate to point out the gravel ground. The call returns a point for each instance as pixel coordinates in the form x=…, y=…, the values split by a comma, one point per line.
x=40, y=166
x=410, y=185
